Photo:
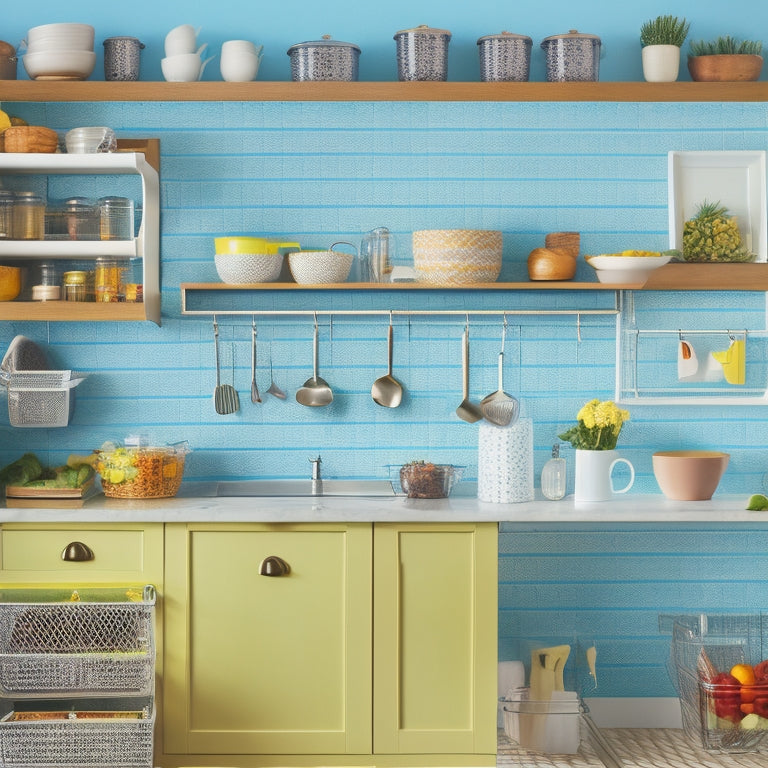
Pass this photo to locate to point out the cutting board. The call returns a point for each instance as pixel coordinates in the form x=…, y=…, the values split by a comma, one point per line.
x=27, y=492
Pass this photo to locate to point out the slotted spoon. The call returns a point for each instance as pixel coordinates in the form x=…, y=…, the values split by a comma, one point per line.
x=499, y=408
x=225, y=397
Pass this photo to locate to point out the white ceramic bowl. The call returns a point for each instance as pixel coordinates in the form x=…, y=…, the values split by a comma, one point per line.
x=239, y=268
x=613, y=268
x=87, y=140
x=61, y=37
x=181, y=68
x=59, y=65
x=320, y=267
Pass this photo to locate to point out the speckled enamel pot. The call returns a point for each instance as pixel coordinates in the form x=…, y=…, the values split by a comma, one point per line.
x=324, y=59
x=573, y=56
x=121, y=58
x=505, y=57
x=422, y=53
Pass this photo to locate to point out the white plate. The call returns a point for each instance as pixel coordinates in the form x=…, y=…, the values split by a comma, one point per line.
x=734, y=178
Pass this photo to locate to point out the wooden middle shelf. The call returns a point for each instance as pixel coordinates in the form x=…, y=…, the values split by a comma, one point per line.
x=87, y=90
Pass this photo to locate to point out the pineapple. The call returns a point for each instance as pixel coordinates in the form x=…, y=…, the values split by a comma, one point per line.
x=713, y=235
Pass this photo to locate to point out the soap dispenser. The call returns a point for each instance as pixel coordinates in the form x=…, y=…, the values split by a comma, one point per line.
x=553, y=476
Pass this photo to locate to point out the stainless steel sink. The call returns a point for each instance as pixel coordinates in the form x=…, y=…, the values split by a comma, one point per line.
x=302, y=487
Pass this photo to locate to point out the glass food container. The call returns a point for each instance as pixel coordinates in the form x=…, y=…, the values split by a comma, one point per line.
x=142, y=472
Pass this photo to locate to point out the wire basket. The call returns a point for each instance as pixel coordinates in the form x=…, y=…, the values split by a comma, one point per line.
x=77, y=739
x=41, y=398
x=101, y=645
x=711, y=710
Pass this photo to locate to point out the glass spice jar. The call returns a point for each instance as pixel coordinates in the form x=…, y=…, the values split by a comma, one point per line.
x=74, y=283
x=28, y=216
x=116, y=216
x=106, y=280
x=6, y=214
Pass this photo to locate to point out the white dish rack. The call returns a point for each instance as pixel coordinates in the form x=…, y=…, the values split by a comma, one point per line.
x=77, y=677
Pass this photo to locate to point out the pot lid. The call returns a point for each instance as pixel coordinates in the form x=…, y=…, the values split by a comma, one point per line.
x=325, y=42
x=572, y=34
x=423, y=29
x=505, y=36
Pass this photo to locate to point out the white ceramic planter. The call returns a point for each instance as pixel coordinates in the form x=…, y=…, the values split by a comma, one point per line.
x=661, y=63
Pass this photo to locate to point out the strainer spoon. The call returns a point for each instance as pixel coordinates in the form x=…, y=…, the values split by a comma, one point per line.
x=499, y=408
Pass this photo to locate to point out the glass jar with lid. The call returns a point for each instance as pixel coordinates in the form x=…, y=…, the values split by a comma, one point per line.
x=116, y=218
x=107, y=279
x=6, y=214
x=28, y=216
x=74, y=284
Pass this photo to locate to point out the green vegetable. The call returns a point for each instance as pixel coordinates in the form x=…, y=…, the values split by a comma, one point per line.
x=22, y=471
x=757, y=503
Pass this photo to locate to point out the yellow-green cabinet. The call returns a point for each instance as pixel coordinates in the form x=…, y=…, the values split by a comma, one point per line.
x=435, y=647
x=377, y=646
x=267, y=664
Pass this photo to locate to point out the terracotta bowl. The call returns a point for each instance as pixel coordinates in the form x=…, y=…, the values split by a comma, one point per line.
x=725, y=67
x=689, y=475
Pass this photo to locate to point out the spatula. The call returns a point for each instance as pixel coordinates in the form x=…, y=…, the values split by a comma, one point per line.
x=225, y=397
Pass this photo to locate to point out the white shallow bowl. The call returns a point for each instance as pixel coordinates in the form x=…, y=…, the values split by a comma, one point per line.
x=625, y=269
x=239, y=268
x=320, y=267
x=59, y=65
x=60, y=36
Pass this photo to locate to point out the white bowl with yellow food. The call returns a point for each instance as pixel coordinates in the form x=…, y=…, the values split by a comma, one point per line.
x=627, y=266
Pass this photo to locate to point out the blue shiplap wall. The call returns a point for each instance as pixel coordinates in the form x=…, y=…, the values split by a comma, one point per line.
x=319, y=173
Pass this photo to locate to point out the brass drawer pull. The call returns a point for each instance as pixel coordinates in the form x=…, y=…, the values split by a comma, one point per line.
x=274, y=566
x=77, y=552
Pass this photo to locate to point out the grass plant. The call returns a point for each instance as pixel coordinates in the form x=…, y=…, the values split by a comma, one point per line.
x=664, y=30
x=725, y=45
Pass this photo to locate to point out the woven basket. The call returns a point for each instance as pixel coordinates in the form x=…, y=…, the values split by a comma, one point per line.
x=457, y=256
x=30, y=138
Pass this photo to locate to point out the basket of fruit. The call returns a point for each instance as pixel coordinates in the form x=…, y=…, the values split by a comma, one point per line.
x=719, y=664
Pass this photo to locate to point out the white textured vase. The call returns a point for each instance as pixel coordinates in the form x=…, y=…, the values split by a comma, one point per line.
x=661, y=63
x=505, y=463
x=593, y=480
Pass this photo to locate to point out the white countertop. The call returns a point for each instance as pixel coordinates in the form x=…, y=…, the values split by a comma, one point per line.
x=197, y=504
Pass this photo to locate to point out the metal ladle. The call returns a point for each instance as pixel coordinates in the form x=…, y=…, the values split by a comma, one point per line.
x=315, y=391
x=387, y=390
x=273, y=389
x=499, y=408
x=467, y=410
x=255, y=396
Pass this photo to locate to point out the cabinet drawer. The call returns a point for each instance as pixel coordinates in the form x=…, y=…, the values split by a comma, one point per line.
x=33, y=553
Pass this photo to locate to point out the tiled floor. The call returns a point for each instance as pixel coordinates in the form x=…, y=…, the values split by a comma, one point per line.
x=629, y=748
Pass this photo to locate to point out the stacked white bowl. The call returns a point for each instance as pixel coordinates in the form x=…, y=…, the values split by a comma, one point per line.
x=61, y=51
x=183, y=62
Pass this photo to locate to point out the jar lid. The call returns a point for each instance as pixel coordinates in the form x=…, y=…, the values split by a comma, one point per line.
x=572, y=34
x=423, y=29
x=325, y=42
x=123, y=37
x=74, y=278
x=505, y=36
x=116, y=202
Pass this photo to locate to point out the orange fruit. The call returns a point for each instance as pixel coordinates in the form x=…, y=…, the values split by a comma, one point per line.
x=744, y=673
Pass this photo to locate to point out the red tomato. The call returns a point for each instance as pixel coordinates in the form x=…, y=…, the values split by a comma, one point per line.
x=761, y=671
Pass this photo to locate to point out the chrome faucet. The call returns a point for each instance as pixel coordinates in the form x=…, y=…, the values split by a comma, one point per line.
x=317, y=479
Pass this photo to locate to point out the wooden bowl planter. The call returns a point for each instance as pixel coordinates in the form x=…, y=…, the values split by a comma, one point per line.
x=725, y=67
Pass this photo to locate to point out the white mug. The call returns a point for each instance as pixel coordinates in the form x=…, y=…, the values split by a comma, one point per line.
x=182, y=68
x=593, y=480
x=242, y=46
x=181, y=39
x=239, y=66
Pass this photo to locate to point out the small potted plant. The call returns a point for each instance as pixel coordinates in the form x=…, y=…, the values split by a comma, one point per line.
x=661, y=39
x=725, y=59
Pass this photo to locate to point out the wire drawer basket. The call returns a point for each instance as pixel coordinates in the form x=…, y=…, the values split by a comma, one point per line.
x=41, y=398
x=101, y=644
x=77, y=739
x=711, y=710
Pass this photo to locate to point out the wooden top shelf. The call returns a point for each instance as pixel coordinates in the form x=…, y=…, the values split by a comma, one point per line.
x=86, y=90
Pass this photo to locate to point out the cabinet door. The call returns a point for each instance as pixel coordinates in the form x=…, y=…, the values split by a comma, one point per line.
x=435, y=599
x=268, y=664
